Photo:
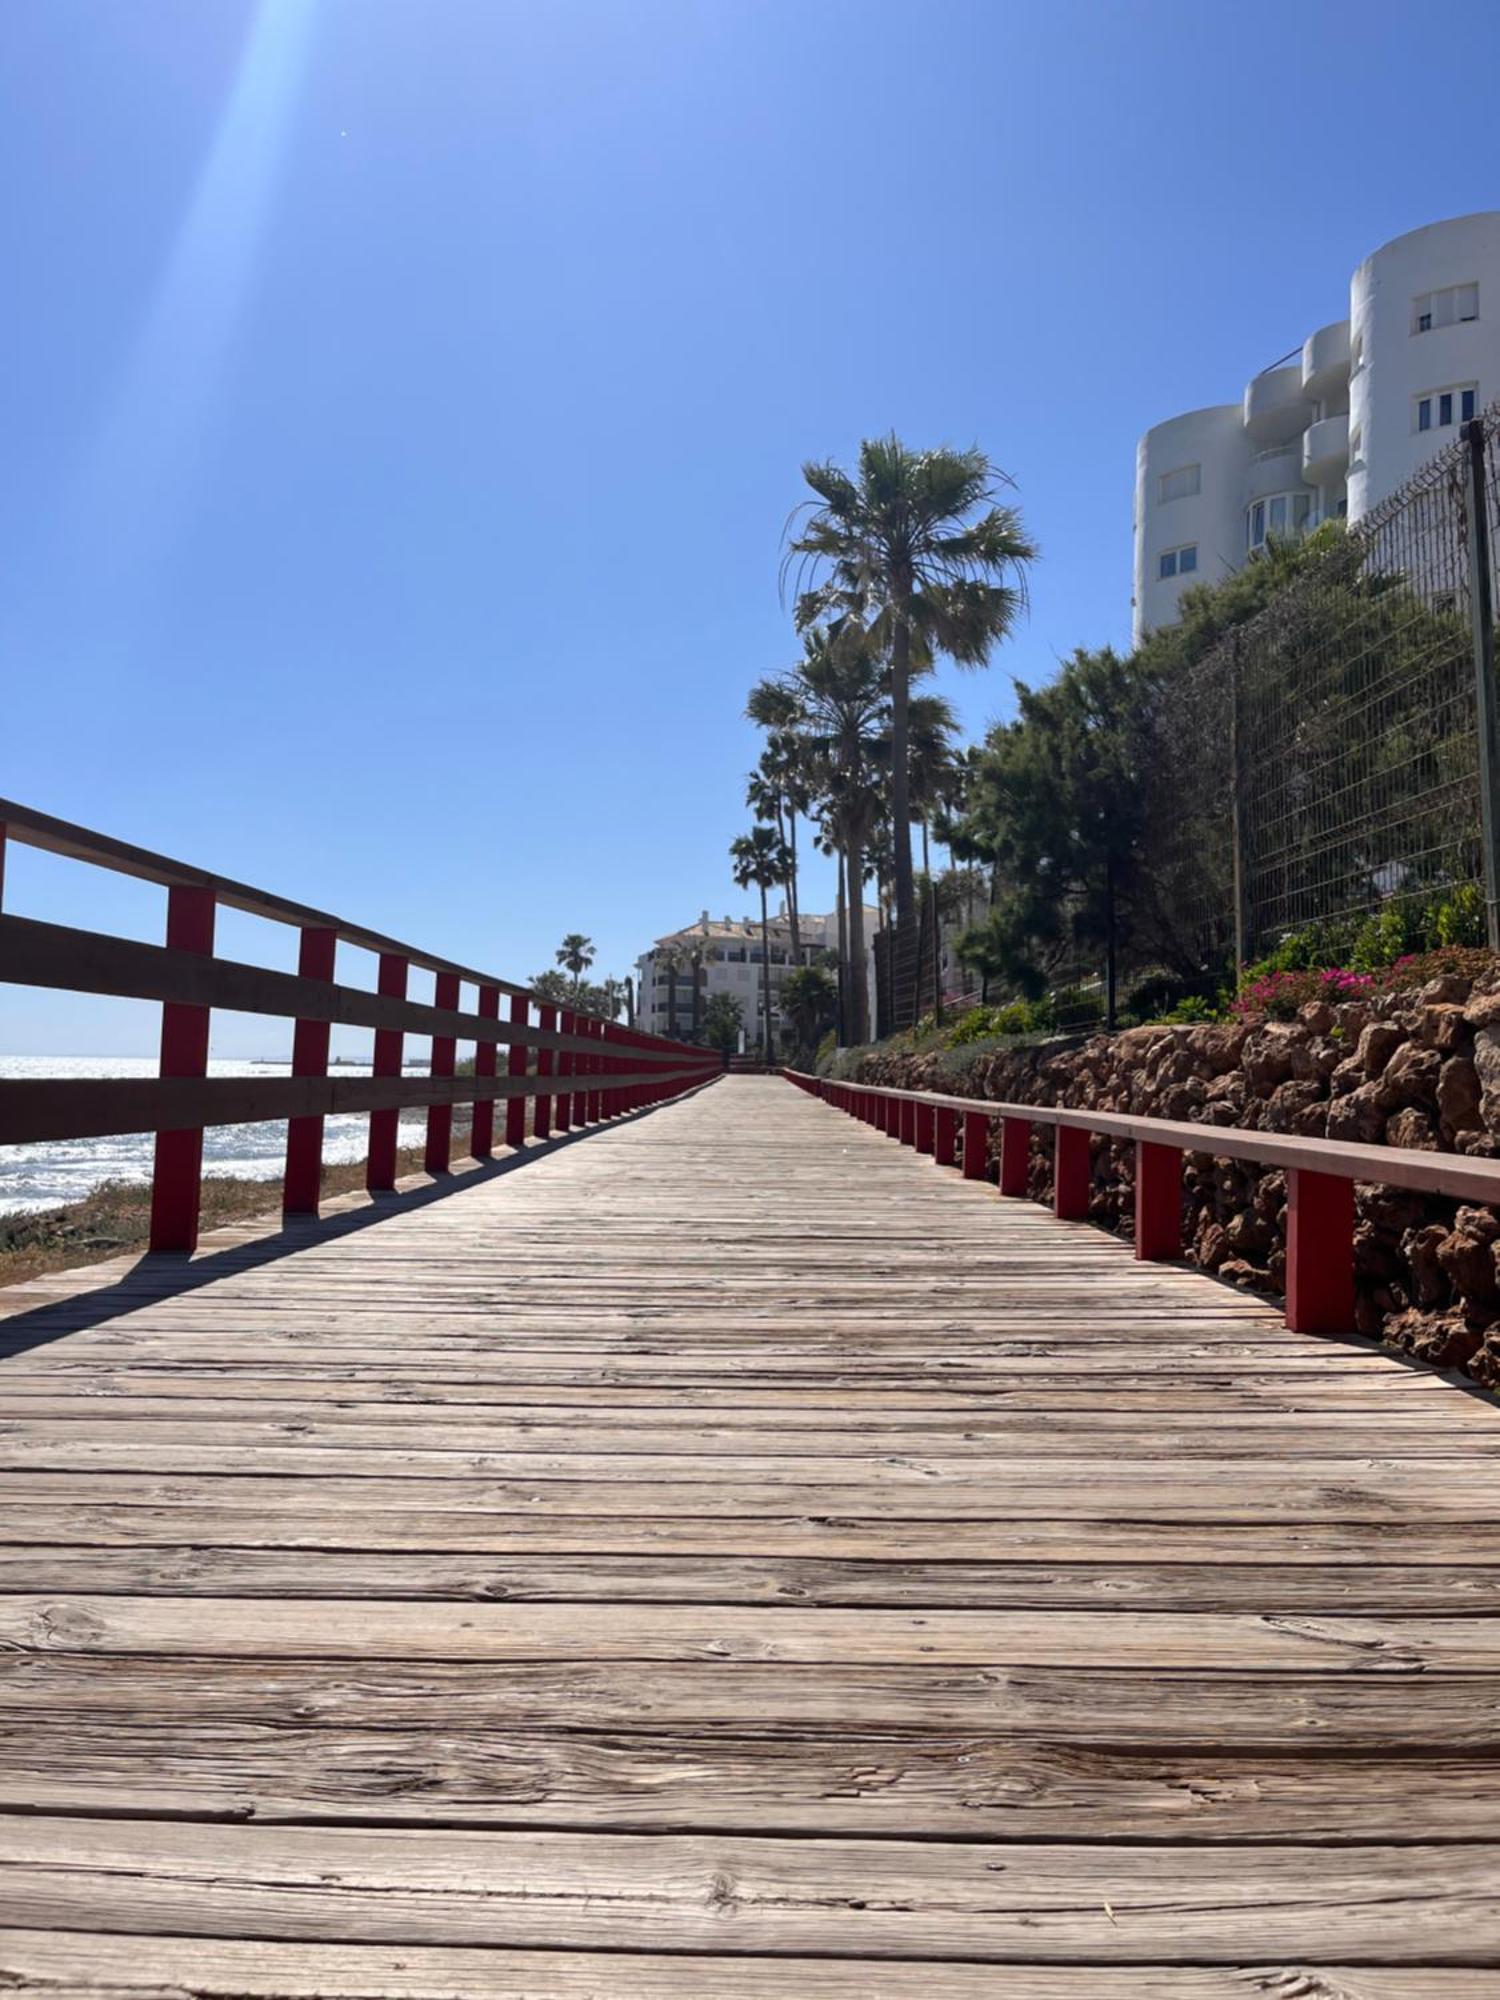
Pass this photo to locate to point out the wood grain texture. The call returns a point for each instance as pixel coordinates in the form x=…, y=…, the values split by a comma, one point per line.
x=734, y=1558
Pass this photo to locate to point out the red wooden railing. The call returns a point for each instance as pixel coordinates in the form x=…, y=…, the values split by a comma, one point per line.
x=626, y=1068
x=1320, y=1175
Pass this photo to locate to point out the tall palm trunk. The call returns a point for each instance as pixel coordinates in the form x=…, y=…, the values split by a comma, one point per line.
x=845, y=1013
x=765, y=977
x=792, y=910
x=859, y=992
x=937, y=936
x=906, y=900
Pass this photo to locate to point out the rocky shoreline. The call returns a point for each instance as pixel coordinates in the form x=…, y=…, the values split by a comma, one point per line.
x=1417, y=1067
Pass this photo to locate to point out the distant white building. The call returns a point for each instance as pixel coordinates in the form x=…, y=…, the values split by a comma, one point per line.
x=728, y=949
x=1335, y=427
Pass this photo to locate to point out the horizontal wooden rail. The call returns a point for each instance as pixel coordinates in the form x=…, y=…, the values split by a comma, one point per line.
x=35, y=1109
x=1320, y=1174
x=575, y=1070
x=51, y=955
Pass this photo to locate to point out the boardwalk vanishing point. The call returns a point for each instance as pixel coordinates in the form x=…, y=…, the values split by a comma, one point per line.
x=731, y=1556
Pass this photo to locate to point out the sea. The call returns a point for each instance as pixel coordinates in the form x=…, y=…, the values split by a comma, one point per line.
x=45, y=1176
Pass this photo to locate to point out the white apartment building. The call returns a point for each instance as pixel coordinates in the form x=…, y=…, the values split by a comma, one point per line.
x=1335, y=427
x=729, y=950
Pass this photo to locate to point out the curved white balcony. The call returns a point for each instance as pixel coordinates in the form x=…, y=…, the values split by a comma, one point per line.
x=1325, y=450
x=1278, y=470
x=1325, y=361
x=1275, y=409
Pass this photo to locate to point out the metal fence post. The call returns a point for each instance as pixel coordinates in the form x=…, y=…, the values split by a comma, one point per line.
x=1482, y=624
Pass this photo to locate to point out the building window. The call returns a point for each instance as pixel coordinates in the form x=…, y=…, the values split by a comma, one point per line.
x=1183, y=483
x=1280, y=514
x=1452, y=306
x=1440, y=409
x=1177, y=562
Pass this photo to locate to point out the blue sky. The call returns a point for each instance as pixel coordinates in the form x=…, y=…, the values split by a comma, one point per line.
x=403, y=399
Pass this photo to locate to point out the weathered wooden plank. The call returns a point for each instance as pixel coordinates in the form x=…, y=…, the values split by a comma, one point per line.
x=196, y=1568
x=203, y=1521
x=949, y=1787
x=1437, y=1714
x=1408, y=1904
x=79, y=1965
x=543, y=1446
x=399, y=1630
x=1202, y=1490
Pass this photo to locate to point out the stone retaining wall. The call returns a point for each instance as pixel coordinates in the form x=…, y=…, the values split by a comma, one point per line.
x=1418, y=1068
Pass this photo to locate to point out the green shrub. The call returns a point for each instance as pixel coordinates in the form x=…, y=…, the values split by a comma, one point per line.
x=1193, y=1008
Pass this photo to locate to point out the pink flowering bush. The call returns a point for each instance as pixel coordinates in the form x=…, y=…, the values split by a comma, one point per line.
x=1278, y=995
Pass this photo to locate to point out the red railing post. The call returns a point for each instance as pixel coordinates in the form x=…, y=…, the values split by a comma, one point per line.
x=976, y=1146
x=596, y=1068
x=567, y=1065
x=906, y=1129
x=924, y=1128
x=515, y=1066
x=1158, y=1201
x=945, y=1137
x=177, y=1179
x=545, y=1061
x=1070, y=1173
x=486, y=1057
x=444, y=1049
x=1319, y=1252
x=614, y=1098
x=1015, y=1155
x=303, y=1180
x=385, y=1125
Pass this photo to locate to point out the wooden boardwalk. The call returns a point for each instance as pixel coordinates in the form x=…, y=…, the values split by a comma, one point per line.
x=733, y=1557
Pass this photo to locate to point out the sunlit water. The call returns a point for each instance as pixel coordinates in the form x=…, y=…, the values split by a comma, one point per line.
x=42, y=1176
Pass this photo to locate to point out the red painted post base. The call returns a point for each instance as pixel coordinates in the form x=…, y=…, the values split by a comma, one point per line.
x=1070, y=1174
x=486, y=1057
x=176, y=1182
x=1015, y=1155
x=1158, y=1201
x=924, y=1130
x=906, y=1128
x=515, y=1066
x=302, y=1181
x=945, y=1137
x=976, y=1146
x=1319, y=1252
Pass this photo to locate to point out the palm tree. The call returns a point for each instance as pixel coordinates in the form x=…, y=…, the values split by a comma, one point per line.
x=702, y=951
x=841, y=686
x=915, y=549
x=760, y=856
x=671, y=955
x=575, y=954
x=931, y=725
x=612, y=997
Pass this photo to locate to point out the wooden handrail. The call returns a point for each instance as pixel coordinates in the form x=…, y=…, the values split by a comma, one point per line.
x=1391, y=1166
x=1320, y=1174
x=585, y=1070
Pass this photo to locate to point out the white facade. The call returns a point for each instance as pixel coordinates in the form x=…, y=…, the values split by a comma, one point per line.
x=1334, y=428
x=729, y=951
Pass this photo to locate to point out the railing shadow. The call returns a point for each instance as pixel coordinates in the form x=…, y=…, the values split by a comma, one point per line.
x=153, y=1278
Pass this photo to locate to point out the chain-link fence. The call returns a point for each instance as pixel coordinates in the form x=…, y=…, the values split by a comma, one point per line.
x=1327, y=759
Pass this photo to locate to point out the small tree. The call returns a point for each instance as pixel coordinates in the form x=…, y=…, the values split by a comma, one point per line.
x=809, y=1007
x=576, y=954
x=723, y=1023
x=760, y=857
